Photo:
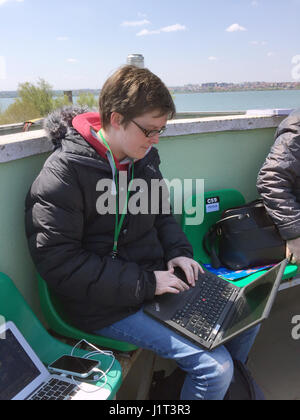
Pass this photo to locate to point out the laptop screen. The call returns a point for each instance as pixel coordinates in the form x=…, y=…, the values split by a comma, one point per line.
x=253, y=304
x=16, y=368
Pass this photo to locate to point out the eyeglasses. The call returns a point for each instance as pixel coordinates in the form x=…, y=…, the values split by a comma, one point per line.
x=150, y=133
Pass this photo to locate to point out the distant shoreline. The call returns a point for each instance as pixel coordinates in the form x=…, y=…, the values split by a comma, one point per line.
x=176, y=92
x=173, y=90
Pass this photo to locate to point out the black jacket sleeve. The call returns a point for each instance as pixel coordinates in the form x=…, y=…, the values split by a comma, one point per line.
x=172, y=238
x=279, y=180
x=55, y=229
x=174, y=241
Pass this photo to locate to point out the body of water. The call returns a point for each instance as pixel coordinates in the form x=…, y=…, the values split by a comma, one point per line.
x=5, y=102
x=238, y=101
x=224, y=101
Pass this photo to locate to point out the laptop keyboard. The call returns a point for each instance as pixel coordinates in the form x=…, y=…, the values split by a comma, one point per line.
x=201, y=313
x=55, y=390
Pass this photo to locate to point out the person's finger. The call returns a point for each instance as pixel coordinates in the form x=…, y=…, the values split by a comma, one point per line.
x=201, y=269
x=180, y=285
x=170, y=266
x=196, y=272
x=191, y=275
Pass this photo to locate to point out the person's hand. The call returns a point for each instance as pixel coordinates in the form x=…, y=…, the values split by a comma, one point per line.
x=190, y=267
x=293, y=247
x=167, y=282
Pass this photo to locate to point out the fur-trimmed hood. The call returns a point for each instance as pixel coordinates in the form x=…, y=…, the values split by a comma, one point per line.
x=58, y=124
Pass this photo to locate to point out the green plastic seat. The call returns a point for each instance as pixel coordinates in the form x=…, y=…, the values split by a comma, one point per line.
x=13, y=307
x=228, y=198
x=58, y=322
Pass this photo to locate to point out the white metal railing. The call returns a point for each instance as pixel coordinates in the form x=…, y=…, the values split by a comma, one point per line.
x=18, y=127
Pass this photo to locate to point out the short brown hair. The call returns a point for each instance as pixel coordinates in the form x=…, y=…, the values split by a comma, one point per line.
x=132, y=91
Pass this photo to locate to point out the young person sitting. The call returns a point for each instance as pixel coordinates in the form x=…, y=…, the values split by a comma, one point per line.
x=104, y=265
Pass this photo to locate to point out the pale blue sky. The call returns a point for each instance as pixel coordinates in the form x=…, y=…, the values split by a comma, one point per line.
x=79, y=43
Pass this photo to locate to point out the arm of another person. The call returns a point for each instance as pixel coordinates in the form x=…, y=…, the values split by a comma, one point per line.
x=279, y=185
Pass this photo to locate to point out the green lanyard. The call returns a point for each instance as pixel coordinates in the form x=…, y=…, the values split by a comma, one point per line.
x=119, y=224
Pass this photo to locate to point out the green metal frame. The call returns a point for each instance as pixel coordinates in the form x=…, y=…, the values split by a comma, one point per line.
x=228, y=198
x=58, y=322
x=13, y=307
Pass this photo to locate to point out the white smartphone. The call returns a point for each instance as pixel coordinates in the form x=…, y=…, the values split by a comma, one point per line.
x=74, y=366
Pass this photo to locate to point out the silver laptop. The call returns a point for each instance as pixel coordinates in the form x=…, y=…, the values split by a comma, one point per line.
x=24, y=377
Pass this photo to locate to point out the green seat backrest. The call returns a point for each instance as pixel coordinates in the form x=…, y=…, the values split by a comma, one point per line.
x=58, y=322
x=228, y=198
x=13, y=307
x=195, y=234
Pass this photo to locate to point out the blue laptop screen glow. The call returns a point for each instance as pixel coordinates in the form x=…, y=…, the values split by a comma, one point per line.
x=16, y=368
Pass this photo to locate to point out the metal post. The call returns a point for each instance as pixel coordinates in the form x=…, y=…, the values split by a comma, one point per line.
x=69, y=95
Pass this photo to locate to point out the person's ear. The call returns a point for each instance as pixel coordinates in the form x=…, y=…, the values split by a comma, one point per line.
x=116, y=120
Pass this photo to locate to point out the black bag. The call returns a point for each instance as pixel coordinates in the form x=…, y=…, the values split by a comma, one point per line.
x=243, y=387
x=246, y=236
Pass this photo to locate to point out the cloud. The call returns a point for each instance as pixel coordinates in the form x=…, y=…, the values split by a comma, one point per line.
x=147, y=32
x=213, y=58
x=236, y=28
x=172, y=28
x=136, y=23
x=72, y=60
x=2, y=2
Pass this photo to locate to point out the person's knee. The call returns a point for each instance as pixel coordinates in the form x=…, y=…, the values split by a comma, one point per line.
x=225, y=371
x=210, y=377
x=220, y=376
x=217, y=376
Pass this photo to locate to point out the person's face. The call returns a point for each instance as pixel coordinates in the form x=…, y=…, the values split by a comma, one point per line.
x=133, y=141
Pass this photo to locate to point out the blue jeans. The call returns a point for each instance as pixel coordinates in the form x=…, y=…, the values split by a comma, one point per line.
x=209, y=374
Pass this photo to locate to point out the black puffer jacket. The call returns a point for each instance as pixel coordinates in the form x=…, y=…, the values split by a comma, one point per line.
x=71, y=243
x=279, y=179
